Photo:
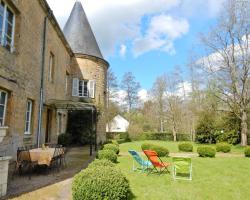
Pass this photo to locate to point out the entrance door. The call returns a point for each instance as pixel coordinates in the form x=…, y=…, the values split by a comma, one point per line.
x=48, y=126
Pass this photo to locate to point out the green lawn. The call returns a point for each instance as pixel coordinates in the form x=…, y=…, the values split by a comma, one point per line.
x=213, y=178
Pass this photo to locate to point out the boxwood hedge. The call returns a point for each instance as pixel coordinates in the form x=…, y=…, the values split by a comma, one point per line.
x=161, y=151
x=108, y=155
x=185, y=146
x=247, y=151
x=223, y=147
x=112, y=147
x=100, y=182
x=206, y=151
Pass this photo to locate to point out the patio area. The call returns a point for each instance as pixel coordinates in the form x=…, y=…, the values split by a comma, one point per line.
x=53, y=184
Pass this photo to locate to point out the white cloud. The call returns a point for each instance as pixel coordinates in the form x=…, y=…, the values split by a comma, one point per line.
x=184, y=89
x=143, y=95
x=161, y=34
x=123, y=50
x=200, y=8
x=116, y=22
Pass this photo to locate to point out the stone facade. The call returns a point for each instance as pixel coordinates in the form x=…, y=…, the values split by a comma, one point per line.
x=20, y=76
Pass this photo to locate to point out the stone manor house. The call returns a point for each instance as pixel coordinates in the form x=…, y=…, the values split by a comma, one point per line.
x=47, y=74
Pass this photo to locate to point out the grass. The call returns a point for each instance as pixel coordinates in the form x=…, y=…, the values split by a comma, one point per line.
x=223, y=178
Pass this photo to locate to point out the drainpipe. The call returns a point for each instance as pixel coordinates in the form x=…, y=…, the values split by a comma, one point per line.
x=40, y=111
x=91, y=134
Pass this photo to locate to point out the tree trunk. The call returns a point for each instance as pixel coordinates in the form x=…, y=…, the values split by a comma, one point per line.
x=174, y=134
x=161, y=122
x=244, y=128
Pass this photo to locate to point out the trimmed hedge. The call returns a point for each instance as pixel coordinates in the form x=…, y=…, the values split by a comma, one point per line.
x=185, y=146
x=112, y=147
x=101, y=182
x=166, y=136
x=115, y=143
x=108, y=155
x=101, y=163
x=161, y=151
x=206, y=151
x=247, y=151
x=223, y=147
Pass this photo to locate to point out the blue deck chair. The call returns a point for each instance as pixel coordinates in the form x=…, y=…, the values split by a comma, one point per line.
x=182, y=168
x=143, y=163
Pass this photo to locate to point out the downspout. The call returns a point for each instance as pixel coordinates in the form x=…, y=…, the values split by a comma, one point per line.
x=40, y=111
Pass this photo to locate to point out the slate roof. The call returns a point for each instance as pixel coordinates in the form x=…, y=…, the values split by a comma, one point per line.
x=79, y=34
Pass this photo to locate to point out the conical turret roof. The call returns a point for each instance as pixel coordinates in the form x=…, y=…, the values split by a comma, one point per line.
x=79, y=34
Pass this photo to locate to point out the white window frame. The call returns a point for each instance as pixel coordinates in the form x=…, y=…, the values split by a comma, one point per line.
x=3, y=27
x=5, y=107
x=84, y=93
x=51, y=67
x=28, y=132
x=87, y=88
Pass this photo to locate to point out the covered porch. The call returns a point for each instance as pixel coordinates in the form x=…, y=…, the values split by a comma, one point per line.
x=81, y=121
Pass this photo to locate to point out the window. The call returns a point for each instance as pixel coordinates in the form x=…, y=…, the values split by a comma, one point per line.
x=7, y=20
x=3, y=104
x=83, y=88
x=51, y=67
x=28, y=117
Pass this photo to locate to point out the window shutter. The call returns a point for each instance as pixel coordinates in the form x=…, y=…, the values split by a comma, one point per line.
x=75, y=87
x=91, y=88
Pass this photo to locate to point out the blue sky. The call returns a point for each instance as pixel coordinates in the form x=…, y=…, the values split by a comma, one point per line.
x=145, y=37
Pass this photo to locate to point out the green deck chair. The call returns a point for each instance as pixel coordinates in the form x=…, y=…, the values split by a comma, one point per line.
x=143, y=163
x=182, y=168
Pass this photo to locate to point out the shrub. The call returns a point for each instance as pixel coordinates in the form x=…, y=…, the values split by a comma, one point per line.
x=231, y=137
x=115, y=142
x=206, y=151
x=112, y=147
x=205, y=131
x=223, y=147
x=185, y=146
x=247, y=151
x=64, y=139
x=108, y=155
x=146, y=146
x=102, y=182
x=101, y=163
x=161, y=151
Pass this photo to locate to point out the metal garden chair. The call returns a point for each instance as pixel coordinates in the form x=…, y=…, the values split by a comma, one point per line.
x=158, y=165
x=143, y=163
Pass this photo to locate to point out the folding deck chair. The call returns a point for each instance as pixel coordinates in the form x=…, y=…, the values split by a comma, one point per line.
x=143, y=163
x=158, y=165
x=182, y=168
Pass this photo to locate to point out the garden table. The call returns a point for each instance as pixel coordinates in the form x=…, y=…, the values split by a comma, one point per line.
x=39, y=155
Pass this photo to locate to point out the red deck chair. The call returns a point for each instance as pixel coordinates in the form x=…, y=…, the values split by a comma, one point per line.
x=158, y=165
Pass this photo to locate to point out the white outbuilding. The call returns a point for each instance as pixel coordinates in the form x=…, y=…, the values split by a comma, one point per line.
x=118, y=125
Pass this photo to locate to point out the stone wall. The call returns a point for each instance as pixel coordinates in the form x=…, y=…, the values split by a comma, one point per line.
x=92, y=68
x=20, y=75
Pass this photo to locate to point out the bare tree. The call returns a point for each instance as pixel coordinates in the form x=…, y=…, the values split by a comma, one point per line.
x=131, y=87
x=174, y=101
x=112, y=87
x=228, y=46
x=159, y=97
